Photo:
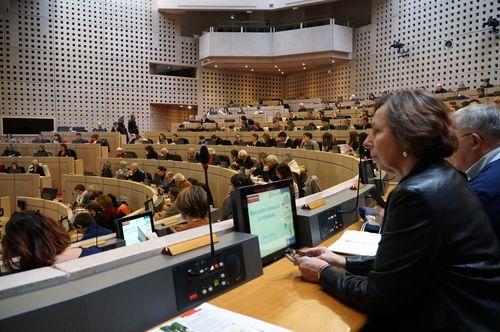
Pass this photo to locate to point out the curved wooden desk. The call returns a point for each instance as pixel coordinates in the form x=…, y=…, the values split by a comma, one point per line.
x=134, y=191
x=218, y=178
x=330, y=168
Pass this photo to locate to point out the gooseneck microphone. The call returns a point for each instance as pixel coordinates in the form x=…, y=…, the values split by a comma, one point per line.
x=204, y=158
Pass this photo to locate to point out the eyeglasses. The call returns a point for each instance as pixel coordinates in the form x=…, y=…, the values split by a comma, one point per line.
x=480, y=137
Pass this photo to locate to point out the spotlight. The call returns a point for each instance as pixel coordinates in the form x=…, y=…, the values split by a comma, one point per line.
x=493, y=23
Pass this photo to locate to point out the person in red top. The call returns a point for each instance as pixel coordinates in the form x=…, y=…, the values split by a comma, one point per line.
x=109, y=213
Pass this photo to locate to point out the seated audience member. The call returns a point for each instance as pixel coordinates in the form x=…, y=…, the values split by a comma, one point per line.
x=462, y=87
x=439, y=89
x=119, y=153
x=151, y=153
x=99, y=128
x=170, y=179
x=92, y=193
x=32, y=240
x=320, y=114
x=258, y=127
x=106, y=171
x=81, y=197
x=310, y=126
x=480, y=93
x=308, y=143
x=122, y=171
x=277, y=117
x=10, y=151
x=290, y=126
x=108, y=215
x=268, y=141
x=486, y=83
x=36, y=168
x=192, y=203
x=353, y=141
x=160, y=177
x=40, y=139
x=65, y=152
x=329, y=143
x=120, y=128
x=202, y=140
x=254, y=140
x=301, y=108
x=478, y=155
x=172, y=210
x=283, y=172
x=41, y=151
x=258, y=170
x=276, y=126
x=79, y=139
x=124, y=208
x=162, y=139
x=244, y=124
x=325, y=124
x=181, y=182
x=371, y=96
x=269, y=173
x=163, y=155
x=244, y=161
x=86, y=225
x=216, y=140
x=353, y=97
x=14, y=168
x=57, y=139
x=135, y=174
x=283, y=141
x=192, y=155
x=11, y=139
x=288, y=160
x=237, y=180
x=234, y=156
x=238, y=141
x=364, y=123
x=444, y=279
x=213, y=157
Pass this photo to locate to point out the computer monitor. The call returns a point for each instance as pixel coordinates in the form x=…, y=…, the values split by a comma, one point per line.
x=135, y=229
x=148, y=205
x=267, y=211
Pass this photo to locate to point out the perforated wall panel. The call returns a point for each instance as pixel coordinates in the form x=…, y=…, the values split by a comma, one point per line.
x=84, y=61
x=424, y=26
x=329, y=82
x=218, y=88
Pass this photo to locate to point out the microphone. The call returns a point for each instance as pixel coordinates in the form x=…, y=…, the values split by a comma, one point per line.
x=204, y=157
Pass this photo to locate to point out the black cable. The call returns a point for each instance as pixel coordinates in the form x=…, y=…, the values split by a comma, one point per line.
x=357, y=192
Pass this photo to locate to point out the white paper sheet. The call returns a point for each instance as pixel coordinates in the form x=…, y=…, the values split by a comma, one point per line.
x=357, y=243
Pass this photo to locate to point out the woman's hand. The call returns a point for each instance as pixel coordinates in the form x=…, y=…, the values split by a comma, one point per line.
x=327, y=255
x=311, y=267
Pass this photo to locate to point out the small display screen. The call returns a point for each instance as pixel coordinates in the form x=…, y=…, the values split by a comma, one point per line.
x=270, y=216
x=27, y=126
x=135, y=229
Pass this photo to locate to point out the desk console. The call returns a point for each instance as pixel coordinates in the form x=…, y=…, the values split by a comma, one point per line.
x=318, y=225
x=135, y=296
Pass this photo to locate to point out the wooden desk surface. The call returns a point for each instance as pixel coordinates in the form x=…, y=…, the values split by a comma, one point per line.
x=281, y=297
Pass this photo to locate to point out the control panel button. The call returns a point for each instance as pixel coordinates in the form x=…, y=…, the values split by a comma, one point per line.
x=216, y=265
x=221, y=264
x=223, y=283
x=222, y=275
x=193, y=297
x=210, y=289
x=216, y=282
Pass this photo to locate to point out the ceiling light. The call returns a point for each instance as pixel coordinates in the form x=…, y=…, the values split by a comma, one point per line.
x=333, y=61
x=182, y=106
x=282, y=73
x=246, y=66
x=279, y=69
x=304, y=68
x=275, y=66
x=303, y=64
x=252, y=69
x=189, y=107
x=215, y=66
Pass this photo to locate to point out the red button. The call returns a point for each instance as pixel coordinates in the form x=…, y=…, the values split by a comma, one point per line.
x=216, y=266
x=193, y=297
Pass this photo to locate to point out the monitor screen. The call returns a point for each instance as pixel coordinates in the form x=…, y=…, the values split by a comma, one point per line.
x=267, y=211
x=135, y=229
x=27, y=126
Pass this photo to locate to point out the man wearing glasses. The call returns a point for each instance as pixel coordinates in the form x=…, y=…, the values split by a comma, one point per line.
x=478, y=155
